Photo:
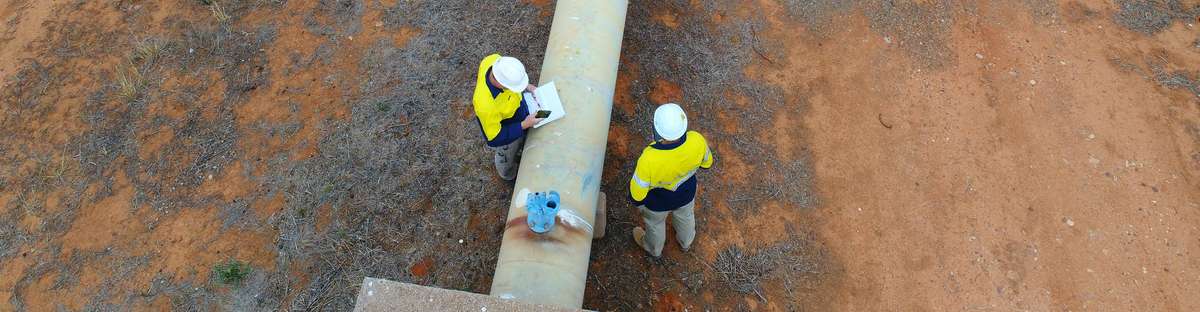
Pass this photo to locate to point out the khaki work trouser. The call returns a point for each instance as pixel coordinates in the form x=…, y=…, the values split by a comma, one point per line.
x=508, y=158
x=683, y=219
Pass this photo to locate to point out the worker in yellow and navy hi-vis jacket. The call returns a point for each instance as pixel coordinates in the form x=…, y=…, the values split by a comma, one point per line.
x=501, y=110
x=664, y=182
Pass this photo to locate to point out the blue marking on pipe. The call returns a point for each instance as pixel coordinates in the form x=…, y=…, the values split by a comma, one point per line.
x=588, y=180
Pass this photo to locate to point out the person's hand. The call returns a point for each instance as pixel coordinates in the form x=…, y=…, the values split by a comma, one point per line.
x=530, y=121
x=533, y=98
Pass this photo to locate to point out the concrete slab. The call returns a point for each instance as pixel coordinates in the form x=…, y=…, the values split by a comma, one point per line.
x=384, y=295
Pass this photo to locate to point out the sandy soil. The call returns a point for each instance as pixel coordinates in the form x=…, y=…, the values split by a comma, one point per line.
x=23, y=29
x=1023, y=157
x=1030, y=173
x=992, y=155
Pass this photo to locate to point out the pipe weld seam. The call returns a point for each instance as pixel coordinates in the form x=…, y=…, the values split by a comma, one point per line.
x=569, y=217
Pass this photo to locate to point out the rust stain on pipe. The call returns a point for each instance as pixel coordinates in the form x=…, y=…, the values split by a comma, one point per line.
x=561, y=230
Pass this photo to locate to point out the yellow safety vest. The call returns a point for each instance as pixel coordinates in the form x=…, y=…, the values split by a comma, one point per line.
x=492, y=110
x=667, y=169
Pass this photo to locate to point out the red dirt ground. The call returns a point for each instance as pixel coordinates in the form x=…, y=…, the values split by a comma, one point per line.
x=1031, y=175
x=1033, y=172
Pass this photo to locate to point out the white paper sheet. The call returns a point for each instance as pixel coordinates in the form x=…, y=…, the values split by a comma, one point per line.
x=546, y=99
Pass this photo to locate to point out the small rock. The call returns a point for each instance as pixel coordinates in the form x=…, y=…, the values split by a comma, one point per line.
x=1033, y=82
x=460, y=241
x=1068, y=221
x=979, y=56
x=887, y=39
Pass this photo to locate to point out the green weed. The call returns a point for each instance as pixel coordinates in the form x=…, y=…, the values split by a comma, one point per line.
x=231, y=272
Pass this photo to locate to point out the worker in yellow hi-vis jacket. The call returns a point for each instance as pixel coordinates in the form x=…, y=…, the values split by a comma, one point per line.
x=502, y=111
x=664, y=182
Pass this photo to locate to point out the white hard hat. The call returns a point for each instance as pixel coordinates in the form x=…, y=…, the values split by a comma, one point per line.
x=510, y=73
x=670, y=122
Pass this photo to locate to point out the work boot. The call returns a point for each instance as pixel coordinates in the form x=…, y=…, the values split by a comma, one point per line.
x=638, y=235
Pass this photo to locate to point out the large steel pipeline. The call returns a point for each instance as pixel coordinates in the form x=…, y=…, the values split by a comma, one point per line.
x=566, y=156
